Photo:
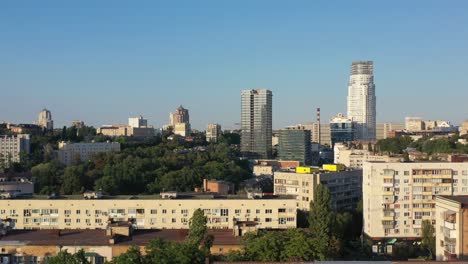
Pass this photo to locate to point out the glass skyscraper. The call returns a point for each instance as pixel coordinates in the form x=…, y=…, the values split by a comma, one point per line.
x=294, y=144
x=362, y=100
x=256, y=123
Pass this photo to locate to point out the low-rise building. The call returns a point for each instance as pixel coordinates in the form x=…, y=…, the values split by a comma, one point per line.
x=355, y=158
x=451, y=227
x=383, y=129
x=344, y=186
x=12, y=149
x=114, y=130
x=149, y=212
x=218, y=187
x=182, y=129
x=70, y=153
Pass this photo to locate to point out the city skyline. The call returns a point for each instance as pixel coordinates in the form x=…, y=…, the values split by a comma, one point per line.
x=129, y=64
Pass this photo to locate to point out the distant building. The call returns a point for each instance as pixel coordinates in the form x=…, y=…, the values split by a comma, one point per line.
x=256, y=123
x=45, y=120
x=414, y=124
x=77, y=123
x=70, y=153
x=383, y=129
x=341, y=129
x=16, y=184
x=137, y=122
x=128, y=130
x=344, y=186
x=182, y=129
x=218, y=187
x=362, y=100
x=181, y=115
x=464, y=128
x=268, y=167
x=319, y=132
x=24, y=128
x=213, y=132
x=114, y=130
x=12, y=148
x=294, y=144
x=355, y=158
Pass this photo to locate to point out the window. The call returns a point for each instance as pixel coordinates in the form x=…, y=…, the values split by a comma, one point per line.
x=173, y=220
x=237, y=211
x=78, y=220
x=184, y=211
x=268, y=211
x=98, y=221
x=67, y=212
x=282, y=221
x=78, y=211
x=267, y=220
x=173, y=211
x=257, y=211
x=164, y=211
x=406, y=173
x=224, y=212
x=154, y=211
x=282, y=210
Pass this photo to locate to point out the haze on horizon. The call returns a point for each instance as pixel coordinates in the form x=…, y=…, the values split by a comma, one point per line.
x=102, y=62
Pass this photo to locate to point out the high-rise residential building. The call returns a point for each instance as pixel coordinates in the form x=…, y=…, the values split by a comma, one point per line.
x=69, y=153
x=362, y=100
x=256, y=123
x=137, y=122
x=181, y=115
x=294, y=144
x=182, y=129
x=45, y=120
x=318, y=132
x=12, y=148
x=341, y=129
x=384, y=128
x=414, y=124
x=213, y=131
x=397, y=197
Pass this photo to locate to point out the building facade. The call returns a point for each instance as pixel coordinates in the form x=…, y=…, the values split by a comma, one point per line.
x=70, y=153
x=181, y=115
x=213, y=132
x=12, y=148
x=341, y=129
x=182, y=129
x=256, y=123
x=414, y=124
x=355, y=158
x=362, y=99
x=384, y=128
x=451, y=228
x=397, y=197
x=45, y=120
x=137, y=122
x=147, y=212
x=294, y=144
x=344, y=186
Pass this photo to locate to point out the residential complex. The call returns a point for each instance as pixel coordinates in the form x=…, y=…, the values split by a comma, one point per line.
x=137, y=127
x=137, y=122
x=341, y=129
x=414, y=124
x=170, y=211
x=213, y=132
x=362, y=100
x=294, y=144
x=45, y=120
x=71, y=153
x=451, y=227
x=344, y=186
x=256, y=123
x=355, y=158
x=397, y=197
x=417, y=124
x=12, y=148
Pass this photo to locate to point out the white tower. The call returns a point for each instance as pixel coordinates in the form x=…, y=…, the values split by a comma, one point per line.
x=362, y=100
x=45, y=120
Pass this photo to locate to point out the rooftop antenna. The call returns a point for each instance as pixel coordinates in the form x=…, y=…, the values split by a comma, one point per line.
x=319, y=128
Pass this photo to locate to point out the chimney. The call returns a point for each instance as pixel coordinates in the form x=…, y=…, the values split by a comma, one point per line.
x=205, y=185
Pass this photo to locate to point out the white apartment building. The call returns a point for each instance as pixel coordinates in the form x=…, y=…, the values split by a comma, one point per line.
x=344, y=186
x=182, y=129
x=45, y=120
x=397, y=197
x=70, y=153
x=148, y=212
x=11, y=148
x=137, y=122
x=213, y=131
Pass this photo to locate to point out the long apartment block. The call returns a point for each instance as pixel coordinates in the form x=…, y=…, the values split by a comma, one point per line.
x=397, y=197
x=148, y=212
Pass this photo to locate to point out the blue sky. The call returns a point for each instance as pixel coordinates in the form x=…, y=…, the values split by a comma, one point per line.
x=104, y=61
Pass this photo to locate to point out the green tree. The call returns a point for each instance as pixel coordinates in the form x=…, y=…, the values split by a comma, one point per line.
x=320, y=222
x=72, y=180
x=63, y=257
x=299, y=246
x=197, y=228
x=133, y=255
x=428, y=237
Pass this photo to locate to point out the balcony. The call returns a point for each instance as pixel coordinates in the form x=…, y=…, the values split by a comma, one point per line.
x=449, y=225
x=450, y=233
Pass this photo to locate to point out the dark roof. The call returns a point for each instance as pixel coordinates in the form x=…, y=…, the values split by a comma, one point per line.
x=462, y=199
x=97, y=237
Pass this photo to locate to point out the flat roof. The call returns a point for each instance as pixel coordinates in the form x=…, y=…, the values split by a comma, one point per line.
x=180, y=196
x=462, y=199
x=97, y=237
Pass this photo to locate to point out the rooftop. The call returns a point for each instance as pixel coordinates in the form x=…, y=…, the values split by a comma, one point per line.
x=180, y=196
x=462, y=199
x=97, y=237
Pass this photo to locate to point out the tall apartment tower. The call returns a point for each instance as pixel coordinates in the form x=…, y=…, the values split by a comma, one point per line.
x=256, y=123
x=45, y=120
x=181, y=115
x=361, y=99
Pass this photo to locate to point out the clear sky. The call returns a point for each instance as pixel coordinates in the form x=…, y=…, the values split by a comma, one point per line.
x=104, y=61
